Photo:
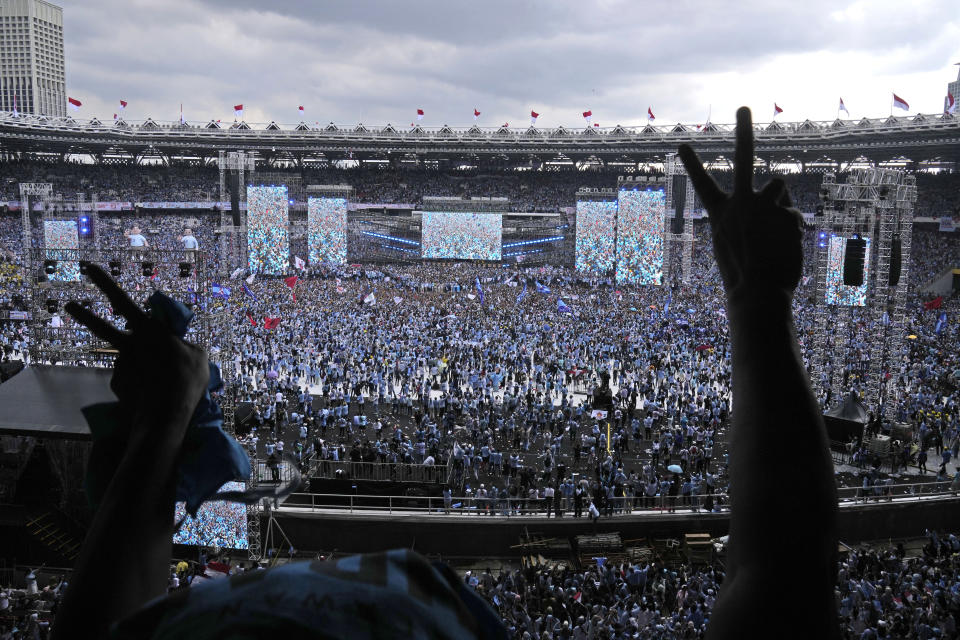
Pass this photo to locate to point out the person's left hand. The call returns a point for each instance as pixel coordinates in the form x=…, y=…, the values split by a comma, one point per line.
x=155, y=372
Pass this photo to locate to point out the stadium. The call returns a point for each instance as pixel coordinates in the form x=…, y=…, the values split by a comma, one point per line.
x=510, y=350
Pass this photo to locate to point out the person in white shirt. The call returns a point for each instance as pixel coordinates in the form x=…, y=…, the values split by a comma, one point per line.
x=137, y=241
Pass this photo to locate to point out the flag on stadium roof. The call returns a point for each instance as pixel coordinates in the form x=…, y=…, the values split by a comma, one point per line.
x=114, y=115
x=300, y=108
x=238, y=110
x=951, y=103
x=596, y=124
x=650, y=115
x=843, y=108
x=74, y=103
x=506, y=124
x=476, y=114
x=900, y=103
x=562, y=307
x=15, y=113
x=776, y=110
x=587, y=115
x=123, y=104
x=533, y=117
x=419, y=114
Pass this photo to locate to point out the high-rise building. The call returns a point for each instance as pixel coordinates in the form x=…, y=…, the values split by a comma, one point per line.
x=32, y=77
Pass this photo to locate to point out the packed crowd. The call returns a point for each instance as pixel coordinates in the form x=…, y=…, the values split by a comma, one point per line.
x=528, y=190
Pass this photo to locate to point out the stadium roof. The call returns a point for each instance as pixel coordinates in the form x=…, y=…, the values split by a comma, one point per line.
x=918, y=138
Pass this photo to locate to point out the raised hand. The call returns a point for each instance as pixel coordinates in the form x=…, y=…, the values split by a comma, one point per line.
x=155, y=370
x=756, y=234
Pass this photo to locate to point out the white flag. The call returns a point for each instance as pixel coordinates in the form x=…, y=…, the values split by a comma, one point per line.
x=298, y=263
x=397, y=299
x=236, y=273
x=370, y=299
x=471, y=296
x=250, y=278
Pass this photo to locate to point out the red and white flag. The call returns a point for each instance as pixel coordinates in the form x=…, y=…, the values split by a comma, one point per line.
x=74, y=103
x=650, y=115
x=776, y=110
x=843, y=108
x=419, y=114
x=476, y=114
x=123, y=105
x=506, y=125
x=588, y=115
x=596, y=124
x=951, y=103
x=238, y=110
x=114, y=116
x=533, y=117
x=900, y=103
x=300, y=108
x=299, y=263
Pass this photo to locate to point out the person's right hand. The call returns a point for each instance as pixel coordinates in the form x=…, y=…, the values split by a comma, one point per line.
x=756, y=234
x=156, y=372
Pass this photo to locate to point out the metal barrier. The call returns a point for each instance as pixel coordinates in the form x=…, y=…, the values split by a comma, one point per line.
x=621, y=507
x=384, y=471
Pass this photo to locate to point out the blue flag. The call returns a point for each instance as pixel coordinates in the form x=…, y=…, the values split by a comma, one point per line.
x=246, y=289
x=562, y=307
x=522, y=293
x=479, y=290
x=941, y=322
x=541, y=288
x=666, y=306
x=219, y=291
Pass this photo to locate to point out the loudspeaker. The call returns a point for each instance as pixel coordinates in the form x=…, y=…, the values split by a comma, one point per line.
x=853, y=261
x=679, y=194
x=234, y=182
x=676, y=225
x=896, y=260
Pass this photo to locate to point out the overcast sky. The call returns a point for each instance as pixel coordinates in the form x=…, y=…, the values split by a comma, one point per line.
x=377, y=62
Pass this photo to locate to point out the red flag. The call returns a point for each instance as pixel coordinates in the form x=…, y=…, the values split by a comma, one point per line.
x=123, y=104
x=936, y=303
x=476, y=114
x=270, y=323
x=300, y=107
x=291, y=282
x=900, y=103
x=587, y=115
x=114, y=116
x=238, y=110
x=76, y=104
x=650, y=115
x=419, y=114
x=506, y=124
x=596, y=124
x=250, y=318
x=156, y=272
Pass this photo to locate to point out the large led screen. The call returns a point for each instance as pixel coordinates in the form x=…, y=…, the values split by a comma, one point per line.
x=218, y=523
x=595, y=236
x=327, y=230
x=640, y=219
x=268, y=240
x=62, y=241
x=837, y=292
x=461, y=235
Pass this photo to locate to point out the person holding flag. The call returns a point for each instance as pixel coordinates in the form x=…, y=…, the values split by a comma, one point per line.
x=562, y=307
x=522, y=293
x=292, y=283
x=541, y=288
x=479, y=290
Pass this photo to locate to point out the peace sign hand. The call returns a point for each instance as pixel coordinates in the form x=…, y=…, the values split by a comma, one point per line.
x=155, y=372
x=756, y=234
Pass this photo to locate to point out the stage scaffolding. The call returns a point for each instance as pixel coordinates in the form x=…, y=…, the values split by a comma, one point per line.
x=56, y=339
x=674, y=168
x=233, y=241
x=876, y=204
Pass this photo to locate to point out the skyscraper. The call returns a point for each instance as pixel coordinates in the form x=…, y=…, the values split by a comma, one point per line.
x=953, y=89
x=32, y=78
